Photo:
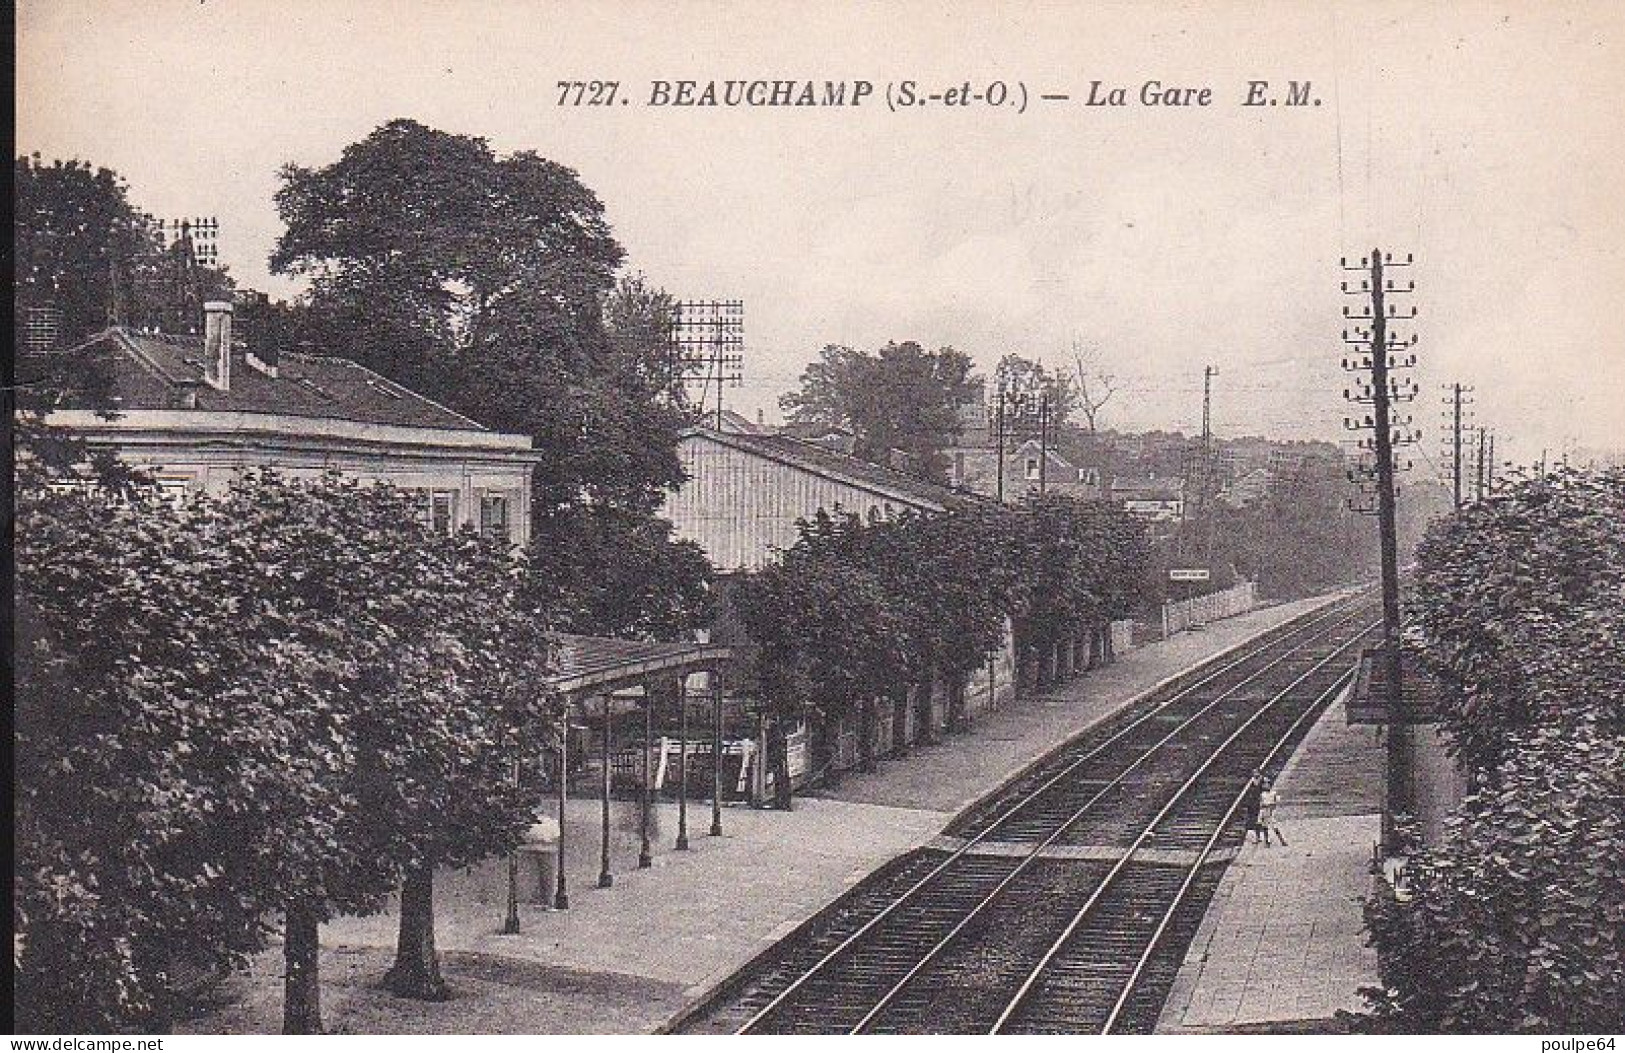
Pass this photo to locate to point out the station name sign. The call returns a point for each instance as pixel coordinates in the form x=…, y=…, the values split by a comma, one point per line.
x=1189, y=574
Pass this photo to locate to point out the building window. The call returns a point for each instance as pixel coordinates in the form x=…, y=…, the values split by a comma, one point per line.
x=494, y=516
x=443, y=511
x=1032, y=469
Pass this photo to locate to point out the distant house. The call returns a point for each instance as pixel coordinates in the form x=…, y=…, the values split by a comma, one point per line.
x=1027, y=467
x=745, y=492
x=1247, y=489
x=195, y=411
x=1150, y=497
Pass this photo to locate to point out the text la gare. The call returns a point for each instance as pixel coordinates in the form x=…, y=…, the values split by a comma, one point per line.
x=1152, y=93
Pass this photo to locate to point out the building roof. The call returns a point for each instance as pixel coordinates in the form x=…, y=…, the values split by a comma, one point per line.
x=844, y=468
x=163, y=371
x=604, y=663
x=738, y=422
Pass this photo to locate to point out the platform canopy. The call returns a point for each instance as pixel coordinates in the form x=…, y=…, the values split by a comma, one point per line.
x=594, y=665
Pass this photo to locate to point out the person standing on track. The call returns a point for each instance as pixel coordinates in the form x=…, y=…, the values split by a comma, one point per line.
x=1251, y=803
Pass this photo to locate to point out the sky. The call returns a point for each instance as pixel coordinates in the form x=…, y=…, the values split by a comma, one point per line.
x=1483, y=138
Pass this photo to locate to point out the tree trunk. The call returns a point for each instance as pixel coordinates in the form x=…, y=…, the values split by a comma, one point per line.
x=956, y=703
x=778, y=759
x=866, y=735
x=826, y=749
x=156, y=963
x=899, y=721
x=926, y=727
x=416, y=973
x=301, y=988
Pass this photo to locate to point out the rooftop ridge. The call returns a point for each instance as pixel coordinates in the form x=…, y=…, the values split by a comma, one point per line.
x=317, y=385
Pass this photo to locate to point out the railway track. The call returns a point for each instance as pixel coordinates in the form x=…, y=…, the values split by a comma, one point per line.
x=1064, y=902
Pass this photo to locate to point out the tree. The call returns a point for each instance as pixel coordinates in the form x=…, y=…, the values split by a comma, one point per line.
x=480, y=281
x=824, y=633
x=1094, y=388
x=85, y=251
x=448, y=763
x=1517, y=610
x=488, y=283
x=77, y=239
x=901, y=398
x=1514, y=921
x=1082, y=564
x=862, y=610
x=970, y=581
x=1299, y=540
x=290, y=691
x=638, y=318
x=163, y=688
x=829, y=389
x=611, y=572
x=1026, y=383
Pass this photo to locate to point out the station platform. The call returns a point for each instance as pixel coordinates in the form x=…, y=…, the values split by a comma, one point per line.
x=1281, y=947
x=628, y=958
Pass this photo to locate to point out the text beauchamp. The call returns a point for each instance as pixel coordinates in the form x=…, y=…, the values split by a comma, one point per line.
x=759, y=92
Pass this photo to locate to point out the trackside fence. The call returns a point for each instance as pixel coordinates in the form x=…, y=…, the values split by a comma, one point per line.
x=1179, y=615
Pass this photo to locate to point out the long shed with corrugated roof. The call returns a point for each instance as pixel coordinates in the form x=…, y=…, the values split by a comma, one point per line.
x=746, y=492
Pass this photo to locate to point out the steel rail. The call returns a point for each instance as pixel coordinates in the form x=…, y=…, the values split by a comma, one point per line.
x=1111, y=875
x=1207, y=850
x=1336, y=610
x=1037, y=850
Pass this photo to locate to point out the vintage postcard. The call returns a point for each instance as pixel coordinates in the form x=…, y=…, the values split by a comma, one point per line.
x=874, y=517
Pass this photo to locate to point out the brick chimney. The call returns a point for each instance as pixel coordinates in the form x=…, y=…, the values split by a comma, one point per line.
x=217, y=344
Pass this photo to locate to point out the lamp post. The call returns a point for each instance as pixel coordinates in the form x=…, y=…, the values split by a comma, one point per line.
x=561, y=897
x=510, y=924
x=716, y=755
x=605, y=878
x=682, y=764
x=645, y=855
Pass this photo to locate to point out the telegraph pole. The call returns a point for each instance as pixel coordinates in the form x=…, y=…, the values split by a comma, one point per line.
x=1478, y=487
x=707, y=343
x=1208, y=373
x=1455, y=402
x=1385, y=473
x=998, y=416
x=1043, y=441
x=1380, y=359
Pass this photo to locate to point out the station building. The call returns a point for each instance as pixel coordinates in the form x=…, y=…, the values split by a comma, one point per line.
x=193, y=411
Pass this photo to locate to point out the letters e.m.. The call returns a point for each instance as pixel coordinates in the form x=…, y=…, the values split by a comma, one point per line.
x=1297, y=94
